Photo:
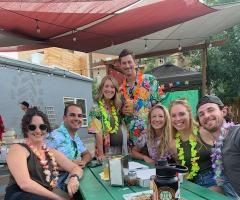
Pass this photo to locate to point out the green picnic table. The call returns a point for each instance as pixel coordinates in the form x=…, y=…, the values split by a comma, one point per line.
x=93, y=188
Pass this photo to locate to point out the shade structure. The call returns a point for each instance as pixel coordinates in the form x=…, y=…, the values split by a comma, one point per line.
x=192, y=32
x=90, y=26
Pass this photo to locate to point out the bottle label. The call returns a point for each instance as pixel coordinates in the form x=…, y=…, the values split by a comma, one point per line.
x=166, y=193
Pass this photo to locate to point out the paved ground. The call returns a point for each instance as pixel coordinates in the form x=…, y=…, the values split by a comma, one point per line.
x=4, y=173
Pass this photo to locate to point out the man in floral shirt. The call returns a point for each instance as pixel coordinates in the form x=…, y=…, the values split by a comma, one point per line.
x=66, y=139
x=140, y=93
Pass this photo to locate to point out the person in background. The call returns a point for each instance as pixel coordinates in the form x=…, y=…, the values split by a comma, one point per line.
x=140, y=93
x=105, y=121
x=34, y=167
x=226, y=151
x=228, y=117
x=2, y=128
x=24, y=106
x=66, y=140
x=158, y=137
x=191, y=148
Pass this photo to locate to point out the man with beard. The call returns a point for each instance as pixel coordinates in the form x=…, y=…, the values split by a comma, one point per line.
x=139, y=92
x=226, y=151
x=66, y=139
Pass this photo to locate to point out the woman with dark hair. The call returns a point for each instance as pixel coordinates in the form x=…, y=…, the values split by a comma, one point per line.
x=104, y=119
x=34, y=167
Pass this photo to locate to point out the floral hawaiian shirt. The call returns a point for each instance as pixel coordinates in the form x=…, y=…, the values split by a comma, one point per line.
x=148, y=96
x=61, y=140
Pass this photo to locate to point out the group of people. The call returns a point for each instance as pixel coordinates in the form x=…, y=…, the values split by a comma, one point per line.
x=126, y=118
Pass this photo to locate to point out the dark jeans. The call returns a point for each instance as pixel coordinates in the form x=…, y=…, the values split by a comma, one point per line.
x=14, y=192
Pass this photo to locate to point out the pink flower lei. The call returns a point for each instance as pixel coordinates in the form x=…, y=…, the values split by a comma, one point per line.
x=51, y=176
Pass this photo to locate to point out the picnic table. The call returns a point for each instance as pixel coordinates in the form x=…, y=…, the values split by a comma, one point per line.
x=93, y=188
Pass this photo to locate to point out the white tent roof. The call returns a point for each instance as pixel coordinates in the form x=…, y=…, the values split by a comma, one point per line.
x=186, y=34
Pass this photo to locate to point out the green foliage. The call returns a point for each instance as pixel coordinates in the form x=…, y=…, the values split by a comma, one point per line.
x=94, y=88
x=223, y=71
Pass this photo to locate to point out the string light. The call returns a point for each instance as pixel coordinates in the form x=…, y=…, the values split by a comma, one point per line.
x=146, y=46
x=38, y=30
x=179, y=45
x=210, y=45
x=74, y=37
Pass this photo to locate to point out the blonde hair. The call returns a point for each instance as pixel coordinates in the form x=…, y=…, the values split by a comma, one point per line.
x=166, y=135
x=184, y=103
x=116, y=98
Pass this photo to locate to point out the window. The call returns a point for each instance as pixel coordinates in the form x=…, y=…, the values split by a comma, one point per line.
x=82, y=103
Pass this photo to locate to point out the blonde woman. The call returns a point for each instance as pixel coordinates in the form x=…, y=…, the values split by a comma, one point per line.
x=158, y=137
x=190, y=147
x=104, y=119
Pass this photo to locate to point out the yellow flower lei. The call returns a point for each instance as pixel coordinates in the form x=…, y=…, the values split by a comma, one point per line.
x=106, y=119
x=192, y=140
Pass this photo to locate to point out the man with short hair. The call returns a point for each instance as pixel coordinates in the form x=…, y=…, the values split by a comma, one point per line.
x=24, y=106
x=66, y=139
x=226, y=153
x=140, y=93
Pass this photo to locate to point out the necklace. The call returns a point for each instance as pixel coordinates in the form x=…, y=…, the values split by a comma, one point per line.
x=216, y=157
x=106, y=119
x=136, y=92
x=194, y=164
x=51, y=176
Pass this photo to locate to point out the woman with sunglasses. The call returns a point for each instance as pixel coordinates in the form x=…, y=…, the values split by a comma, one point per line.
x=104, y=119
x=34, y=168
x=158, y=137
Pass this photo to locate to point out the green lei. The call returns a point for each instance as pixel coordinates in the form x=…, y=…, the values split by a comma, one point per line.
x=192, y=140
x=106, y=119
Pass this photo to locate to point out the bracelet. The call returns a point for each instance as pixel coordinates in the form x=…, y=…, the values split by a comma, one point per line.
x=75, y=175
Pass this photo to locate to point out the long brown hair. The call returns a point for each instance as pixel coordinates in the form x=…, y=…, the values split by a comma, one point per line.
x=116, y=98
x=166, y=135
x=184, y=103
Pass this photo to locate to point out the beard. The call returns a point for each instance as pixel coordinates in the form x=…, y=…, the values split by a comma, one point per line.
x=214, y=126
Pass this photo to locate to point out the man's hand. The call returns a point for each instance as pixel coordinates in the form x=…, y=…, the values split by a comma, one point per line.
x=81, y=163
x=72, y=186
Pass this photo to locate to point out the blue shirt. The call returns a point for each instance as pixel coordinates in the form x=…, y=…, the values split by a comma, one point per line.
x=61, y=140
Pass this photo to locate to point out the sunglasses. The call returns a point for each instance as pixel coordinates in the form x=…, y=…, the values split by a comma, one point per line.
x=75, y=115
x=75, y=148
x=33, y=127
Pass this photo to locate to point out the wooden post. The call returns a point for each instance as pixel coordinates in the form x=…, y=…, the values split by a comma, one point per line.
x=90, y=58
x=204, y=70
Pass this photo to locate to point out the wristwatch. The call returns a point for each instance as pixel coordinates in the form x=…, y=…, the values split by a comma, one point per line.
x=75, y=175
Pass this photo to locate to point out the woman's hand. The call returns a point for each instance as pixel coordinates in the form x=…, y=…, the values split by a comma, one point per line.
x=72, y=186
x=148, y=160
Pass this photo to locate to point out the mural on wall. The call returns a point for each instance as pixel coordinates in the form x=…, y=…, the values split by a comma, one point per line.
x=26, y=86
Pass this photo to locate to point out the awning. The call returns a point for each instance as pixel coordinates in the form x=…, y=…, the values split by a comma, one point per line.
x=90, y=26
x=186, y=34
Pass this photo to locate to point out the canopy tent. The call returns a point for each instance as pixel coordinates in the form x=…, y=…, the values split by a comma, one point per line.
x=192, y=32
x=173, y=78
x=89, y=26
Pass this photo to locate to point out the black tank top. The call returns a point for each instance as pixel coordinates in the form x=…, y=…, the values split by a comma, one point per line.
x=34, y=168
x=204, y=152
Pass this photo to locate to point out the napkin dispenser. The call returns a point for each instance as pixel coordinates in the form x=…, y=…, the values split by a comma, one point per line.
x=118, y=167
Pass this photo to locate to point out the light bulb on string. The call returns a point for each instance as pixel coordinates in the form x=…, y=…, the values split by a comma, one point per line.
x=74, y=37
x=179, y=45
x=146, y=46
x=38, y=30
x=210, y=45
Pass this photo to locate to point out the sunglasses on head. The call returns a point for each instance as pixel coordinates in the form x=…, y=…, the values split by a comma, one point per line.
x=33, y=127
